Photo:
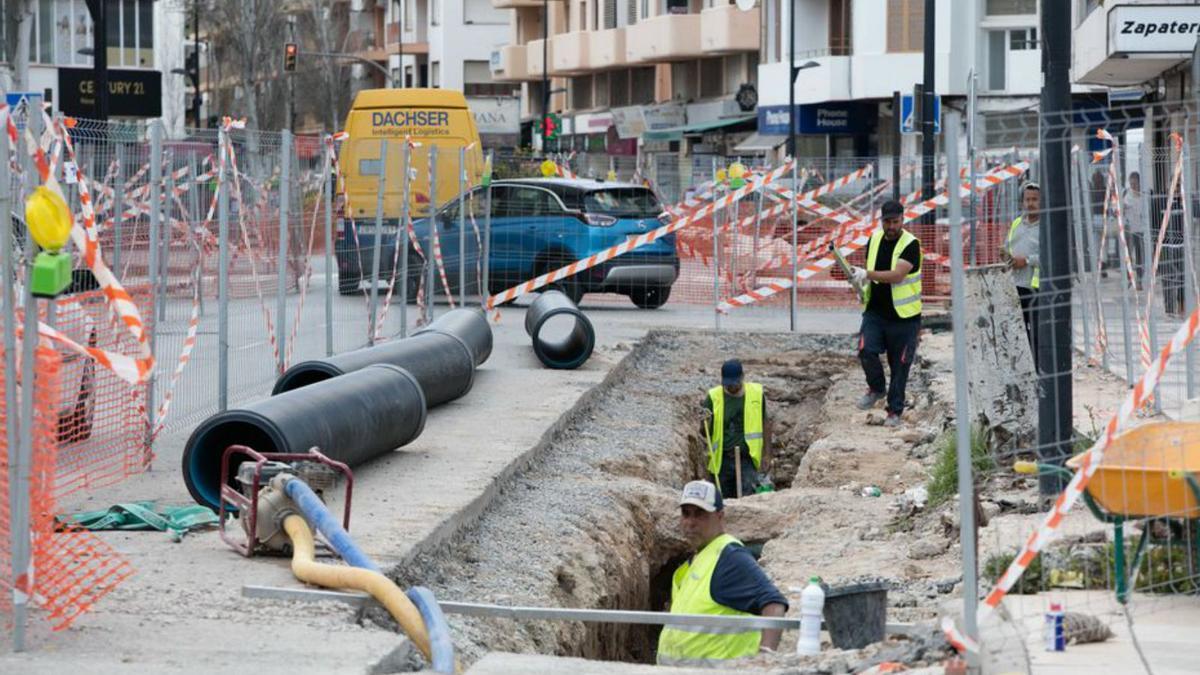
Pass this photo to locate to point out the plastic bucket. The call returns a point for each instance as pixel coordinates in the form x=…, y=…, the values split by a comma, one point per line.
x=856, y=615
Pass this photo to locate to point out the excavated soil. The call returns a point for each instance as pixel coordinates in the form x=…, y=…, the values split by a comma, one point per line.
x=591, y=523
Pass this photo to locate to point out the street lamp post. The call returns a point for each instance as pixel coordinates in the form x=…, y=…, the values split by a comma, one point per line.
x=545, y=74
x=793, y=71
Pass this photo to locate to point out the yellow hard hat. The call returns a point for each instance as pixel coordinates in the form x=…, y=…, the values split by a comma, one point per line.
x=48, y=218
x=548, y=168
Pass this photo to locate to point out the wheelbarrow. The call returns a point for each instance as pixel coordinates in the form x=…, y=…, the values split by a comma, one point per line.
x=1148, y=472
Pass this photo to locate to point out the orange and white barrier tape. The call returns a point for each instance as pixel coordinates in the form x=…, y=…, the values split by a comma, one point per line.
x=134, y=370
x=816, y=267
x=1089, y=462
x=635, y=242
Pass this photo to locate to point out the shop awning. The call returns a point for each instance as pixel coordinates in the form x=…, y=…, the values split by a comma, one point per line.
x=677, y=133
x=761, y=143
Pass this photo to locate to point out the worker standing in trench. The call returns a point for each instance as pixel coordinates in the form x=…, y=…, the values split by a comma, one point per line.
x=722, y=579
x=738, y=435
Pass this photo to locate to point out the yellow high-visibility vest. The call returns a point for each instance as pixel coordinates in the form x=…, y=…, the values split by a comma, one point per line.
x=752, y=426
x=906, y=295
x=690, y=594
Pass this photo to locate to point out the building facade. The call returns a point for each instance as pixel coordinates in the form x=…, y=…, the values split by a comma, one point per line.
x=665, y=74
x=145, y=44
x=448, y=44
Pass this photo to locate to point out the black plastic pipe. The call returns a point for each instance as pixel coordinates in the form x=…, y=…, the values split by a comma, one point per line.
x=471, y=325
x=565, y=352
x=442, y=357
x=352, y=419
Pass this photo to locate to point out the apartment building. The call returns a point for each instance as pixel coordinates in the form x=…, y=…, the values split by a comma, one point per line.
x=664, y=74
x=449, y=44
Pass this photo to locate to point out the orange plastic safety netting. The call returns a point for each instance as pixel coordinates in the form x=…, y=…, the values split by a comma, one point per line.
x=70, y=570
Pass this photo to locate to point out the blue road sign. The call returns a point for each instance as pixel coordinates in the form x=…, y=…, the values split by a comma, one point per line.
x=908, y=125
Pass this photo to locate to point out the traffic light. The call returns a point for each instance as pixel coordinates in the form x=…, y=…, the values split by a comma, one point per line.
x=551, y=126
x=289, y=56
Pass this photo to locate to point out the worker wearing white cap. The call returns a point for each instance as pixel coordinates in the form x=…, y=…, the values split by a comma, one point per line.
x=721, y=578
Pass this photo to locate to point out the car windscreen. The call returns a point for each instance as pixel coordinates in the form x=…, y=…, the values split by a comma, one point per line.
x=622, y=203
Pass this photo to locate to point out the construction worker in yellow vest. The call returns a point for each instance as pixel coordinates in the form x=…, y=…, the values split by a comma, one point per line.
x=737, y=433
x=1022, y=248
x=721, y=578
x=891, y=319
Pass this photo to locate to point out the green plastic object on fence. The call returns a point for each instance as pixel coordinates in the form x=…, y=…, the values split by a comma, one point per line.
x=176, y=521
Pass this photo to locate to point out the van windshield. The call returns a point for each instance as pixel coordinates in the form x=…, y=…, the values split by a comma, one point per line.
x=623, y=203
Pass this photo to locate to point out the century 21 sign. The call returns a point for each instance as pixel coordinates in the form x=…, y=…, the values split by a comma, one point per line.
x=131, y=93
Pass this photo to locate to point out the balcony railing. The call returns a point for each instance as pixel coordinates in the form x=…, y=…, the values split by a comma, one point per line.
x=668, y=37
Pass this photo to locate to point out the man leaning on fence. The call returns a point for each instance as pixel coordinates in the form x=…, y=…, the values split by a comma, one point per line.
x=1022, y=249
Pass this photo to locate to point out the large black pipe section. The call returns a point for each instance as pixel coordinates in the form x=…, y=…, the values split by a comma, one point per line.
x=567, y=351
x=352, y=419
x=471, y=326
x=442, y=357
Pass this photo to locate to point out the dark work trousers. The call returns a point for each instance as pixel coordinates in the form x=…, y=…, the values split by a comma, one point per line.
x=896, y=338
x=1028, y=298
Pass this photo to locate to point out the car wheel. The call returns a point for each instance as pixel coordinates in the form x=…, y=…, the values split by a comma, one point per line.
x=650, y=297
x=570, y=287
x=348, y=285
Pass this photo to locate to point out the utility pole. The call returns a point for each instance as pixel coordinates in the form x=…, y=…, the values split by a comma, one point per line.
x=99, y=11
x=1053, y=300
x=791, y=140
x=928, y=96
x=197, y=99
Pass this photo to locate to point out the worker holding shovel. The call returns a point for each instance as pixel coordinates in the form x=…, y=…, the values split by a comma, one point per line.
x=738, y=434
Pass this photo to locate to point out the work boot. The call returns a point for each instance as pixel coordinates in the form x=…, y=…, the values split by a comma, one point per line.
x=893, y=420
x=869, y=399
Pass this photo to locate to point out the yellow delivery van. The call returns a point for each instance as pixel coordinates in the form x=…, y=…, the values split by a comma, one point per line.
x=428, y=118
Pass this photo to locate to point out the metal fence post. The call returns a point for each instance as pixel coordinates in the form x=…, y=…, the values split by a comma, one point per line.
x=1147, y=271
x=1080, y=258
x=962, y=413
x=22, y=551
x=1093, y=253
x=431, y=258
x=154, y=270
x=794, y=248
x=118, y=214
x=195, y=218
x=716, y=235
x=402, y=235
x=9, y=317
x=486, y=253
x=285, y=204
x=378, y=243
x=223, y=189
x=328, y=169
x=462, y=226
x=1189, y=269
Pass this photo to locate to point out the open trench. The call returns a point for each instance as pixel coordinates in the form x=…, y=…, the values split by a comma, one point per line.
x=591, y=522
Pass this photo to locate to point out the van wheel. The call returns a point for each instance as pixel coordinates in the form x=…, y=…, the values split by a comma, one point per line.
x=348, y=285
x=650, y=297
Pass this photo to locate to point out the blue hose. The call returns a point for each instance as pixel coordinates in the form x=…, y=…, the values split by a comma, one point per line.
x=315, y=512
x=440, y=644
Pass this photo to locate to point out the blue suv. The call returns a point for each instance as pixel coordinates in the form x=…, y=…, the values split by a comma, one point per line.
x=538, y=225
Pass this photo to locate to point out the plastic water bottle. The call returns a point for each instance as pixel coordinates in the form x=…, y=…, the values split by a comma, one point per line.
x=1053, y=631
x=812, y=602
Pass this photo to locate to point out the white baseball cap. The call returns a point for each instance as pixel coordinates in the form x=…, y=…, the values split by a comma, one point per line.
x=702, y=494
